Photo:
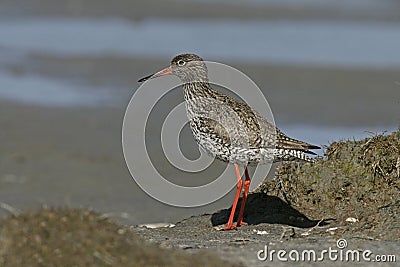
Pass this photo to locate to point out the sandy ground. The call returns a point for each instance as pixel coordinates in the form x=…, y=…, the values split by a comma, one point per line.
x=242, y=245
x=72, y=158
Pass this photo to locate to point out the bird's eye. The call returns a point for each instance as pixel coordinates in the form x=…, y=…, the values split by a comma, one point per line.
x=181, y=63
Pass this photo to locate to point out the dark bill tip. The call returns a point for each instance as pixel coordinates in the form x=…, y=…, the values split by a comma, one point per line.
x=166, y=71
x=145, y=78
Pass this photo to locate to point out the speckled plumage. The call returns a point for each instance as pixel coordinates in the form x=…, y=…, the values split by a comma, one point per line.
x=264, y=142
x=229, y=129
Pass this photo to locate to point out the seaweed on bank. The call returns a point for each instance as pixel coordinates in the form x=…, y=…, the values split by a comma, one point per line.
x=358, y=179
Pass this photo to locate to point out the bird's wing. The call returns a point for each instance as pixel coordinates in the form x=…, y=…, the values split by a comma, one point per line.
x=262, y=133
x=285, y=142
x=258, y=130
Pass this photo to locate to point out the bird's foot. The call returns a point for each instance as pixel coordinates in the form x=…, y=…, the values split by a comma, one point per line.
x=238, y=224
x=230, y=227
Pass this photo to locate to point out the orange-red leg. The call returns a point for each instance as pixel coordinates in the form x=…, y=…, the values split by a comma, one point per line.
x=245, y=193
x=229, y=225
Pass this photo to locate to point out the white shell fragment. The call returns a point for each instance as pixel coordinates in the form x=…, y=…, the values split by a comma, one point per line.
x=258, y=232
x=157, y=225
x=351, y=220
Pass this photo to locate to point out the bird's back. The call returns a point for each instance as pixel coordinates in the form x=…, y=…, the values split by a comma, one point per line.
x=232, y=131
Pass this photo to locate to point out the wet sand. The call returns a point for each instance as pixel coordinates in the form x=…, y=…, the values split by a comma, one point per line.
x=348, y=97
x=72, y=156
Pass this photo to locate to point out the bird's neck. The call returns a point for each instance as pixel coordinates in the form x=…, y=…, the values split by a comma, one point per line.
x=198, y=89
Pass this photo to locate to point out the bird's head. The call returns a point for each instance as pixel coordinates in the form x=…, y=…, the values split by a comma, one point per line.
x=187, y=67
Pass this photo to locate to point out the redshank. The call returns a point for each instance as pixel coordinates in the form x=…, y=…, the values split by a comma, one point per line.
x=255, y=141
